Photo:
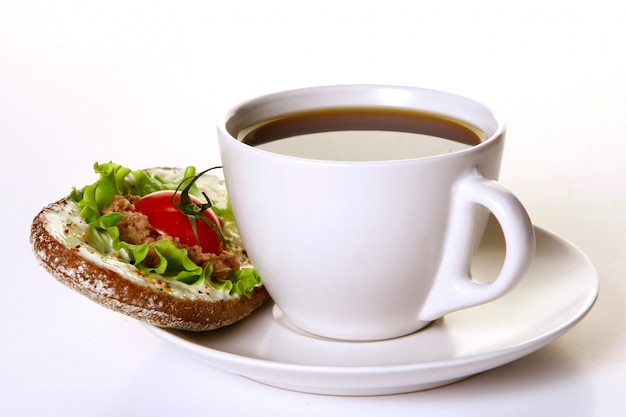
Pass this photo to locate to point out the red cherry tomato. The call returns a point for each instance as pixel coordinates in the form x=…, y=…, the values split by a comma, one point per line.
x=167, y=219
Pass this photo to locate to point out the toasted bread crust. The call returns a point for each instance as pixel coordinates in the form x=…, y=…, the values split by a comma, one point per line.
x=143, y=302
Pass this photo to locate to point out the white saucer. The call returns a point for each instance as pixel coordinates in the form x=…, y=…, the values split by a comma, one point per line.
x=559, y=290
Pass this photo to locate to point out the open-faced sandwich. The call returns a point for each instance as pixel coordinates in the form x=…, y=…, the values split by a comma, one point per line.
x=159, y=245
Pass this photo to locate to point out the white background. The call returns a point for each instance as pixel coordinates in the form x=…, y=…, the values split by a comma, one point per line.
x=144, y=82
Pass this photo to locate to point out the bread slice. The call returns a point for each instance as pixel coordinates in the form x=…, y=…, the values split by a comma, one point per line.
x=58, y=239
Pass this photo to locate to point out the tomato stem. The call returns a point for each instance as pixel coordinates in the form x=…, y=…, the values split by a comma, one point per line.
x=194, y=211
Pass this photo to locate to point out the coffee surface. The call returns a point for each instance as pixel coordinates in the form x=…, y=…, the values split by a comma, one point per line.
x=362, y=134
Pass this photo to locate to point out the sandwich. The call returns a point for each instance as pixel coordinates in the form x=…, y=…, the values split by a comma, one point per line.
x=160, y=245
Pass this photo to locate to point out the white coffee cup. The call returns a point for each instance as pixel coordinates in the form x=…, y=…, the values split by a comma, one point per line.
x=372, y=249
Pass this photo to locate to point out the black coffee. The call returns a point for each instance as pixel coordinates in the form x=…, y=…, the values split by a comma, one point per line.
x=362, y=134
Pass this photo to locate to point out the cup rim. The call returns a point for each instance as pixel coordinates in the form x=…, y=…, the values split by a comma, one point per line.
x=261, y=103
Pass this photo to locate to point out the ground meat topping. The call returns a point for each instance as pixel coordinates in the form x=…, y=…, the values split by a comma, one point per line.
x=223, y=263
x=135, y=228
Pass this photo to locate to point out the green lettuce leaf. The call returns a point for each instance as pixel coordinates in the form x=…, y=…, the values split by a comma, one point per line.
x=93, y=198
x=242, y=282
x=142, y=182
x=224, y=212
x=104, y=235
x=173, y=262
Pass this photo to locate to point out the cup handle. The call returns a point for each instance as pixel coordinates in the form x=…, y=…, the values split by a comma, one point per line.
x=454, y=288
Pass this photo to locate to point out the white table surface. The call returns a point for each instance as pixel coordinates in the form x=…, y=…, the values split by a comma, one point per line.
x=144, y=82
